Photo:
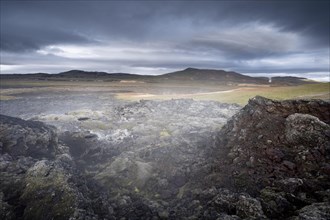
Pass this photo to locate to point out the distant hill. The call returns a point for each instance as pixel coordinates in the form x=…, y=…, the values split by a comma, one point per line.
x=289, y=80
x=189, y=75
x=81, y=73
x=87, y=75
x=193, y=74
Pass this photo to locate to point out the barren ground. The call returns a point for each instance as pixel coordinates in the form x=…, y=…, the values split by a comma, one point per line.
x=147, y=146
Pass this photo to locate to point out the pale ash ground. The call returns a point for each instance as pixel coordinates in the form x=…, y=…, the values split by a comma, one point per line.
x=153, y=140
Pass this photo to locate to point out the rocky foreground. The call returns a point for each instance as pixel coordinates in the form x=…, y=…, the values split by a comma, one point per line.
x=175, y=159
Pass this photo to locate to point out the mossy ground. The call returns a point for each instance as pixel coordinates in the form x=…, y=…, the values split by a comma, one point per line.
x=240, y=94
x=48, y=197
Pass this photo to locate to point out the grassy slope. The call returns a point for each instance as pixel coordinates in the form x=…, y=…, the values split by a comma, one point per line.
x=241, y=95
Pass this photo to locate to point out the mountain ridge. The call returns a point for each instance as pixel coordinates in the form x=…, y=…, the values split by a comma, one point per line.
x=189, y=74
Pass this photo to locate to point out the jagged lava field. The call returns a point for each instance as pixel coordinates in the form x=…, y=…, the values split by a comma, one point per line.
x=192, y=144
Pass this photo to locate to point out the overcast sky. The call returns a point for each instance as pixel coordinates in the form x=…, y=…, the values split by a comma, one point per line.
x=148, y=37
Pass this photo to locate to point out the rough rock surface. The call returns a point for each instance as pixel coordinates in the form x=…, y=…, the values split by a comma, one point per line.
x=169, y=160
x=26, y=138
x=278, y=152
x=38, y=178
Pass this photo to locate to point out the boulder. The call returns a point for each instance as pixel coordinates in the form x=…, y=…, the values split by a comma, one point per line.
x=248, y=207
x=307, y=130
x=47, y=193
x=27, y=138
x=316, y=211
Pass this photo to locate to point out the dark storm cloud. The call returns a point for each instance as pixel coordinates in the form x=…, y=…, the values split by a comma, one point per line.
x=238, y=35
x=35, y=38
x=306, y=17
x=33, y=24
x=61, y=21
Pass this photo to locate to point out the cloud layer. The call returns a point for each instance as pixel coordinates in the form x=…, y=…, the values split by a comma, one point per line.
x=156, y=37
